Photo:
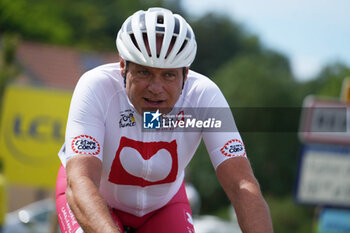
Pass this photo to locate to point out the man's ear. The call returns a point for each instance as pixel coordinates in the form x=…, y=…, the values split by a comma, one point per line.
x=122, y=66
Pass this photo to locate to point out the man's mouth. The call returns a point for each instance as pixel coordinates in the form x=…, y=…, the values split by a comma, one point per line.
x=153, y=102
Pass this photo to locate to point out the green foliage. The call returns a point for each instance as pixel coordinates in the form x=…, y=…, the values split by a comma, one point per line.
x=261, y=80
x=35, y=20
x=219, y=39
x=84, y=23
x=266, y=79
x=8, y=68
x=329, y=81
x=201, y=173
x=288, y=217
x=249, y=76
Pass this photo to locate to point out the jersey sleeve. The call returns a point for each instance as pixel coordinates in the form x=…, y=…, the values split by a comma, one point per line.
x=223, y=143
x=85, y=125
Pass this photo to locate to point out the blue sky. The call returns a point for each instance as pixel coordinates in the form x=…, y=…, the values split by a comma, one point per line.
x=311, y=33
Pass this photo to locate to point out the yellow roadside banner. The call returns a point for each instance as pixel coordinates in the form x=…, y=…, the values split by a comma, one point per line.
x=32, y=130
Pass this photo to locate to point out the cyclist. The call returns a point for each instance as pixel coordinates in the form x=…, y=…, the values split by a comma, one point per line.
x=115, y=176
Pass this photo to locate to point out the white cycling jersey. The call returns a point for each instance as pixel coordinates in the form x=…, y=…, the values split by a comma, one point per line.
x=142, y=171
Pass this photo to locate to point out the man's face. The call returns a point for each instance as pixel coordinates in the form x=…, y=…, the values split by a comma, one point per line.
x=151, y=88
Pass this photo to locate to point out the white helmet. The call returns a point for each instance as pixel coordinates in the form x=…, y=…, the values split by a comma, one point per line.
x=137, y=39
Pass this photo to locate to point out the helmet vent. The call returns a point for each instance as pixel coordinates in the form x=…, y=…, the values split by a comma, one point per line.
x=160, y=19
x=134, y=41
x=182, y=47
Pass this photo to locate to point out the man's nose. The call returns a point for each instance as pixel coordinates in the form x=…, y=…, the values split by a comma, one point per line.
x=155, y=86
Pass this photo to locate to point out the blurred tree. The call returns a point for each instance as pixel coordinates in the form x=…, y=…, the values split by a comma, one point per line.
x=175, y=6
x=219, y=39
x=328, y=82
x=8, y=68
x=263, y=81
x=95, y=23
x=266, y=78
x=288, y=217
x=34, y=20
x=84, y=23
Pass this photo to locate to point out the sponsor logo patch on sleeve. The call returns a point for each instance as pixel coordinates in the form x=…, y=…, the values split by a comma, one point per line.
x=233, y=148
x=85, y=144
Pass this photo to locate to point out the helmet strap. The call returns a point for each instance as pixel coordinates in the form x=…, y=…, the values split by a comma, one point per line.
x=126, y=70
x=184, y=76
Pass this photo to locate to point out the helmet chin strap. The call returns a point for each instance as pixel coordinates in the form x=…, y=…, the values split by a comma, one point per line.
x=126, y=70
x=184, y=76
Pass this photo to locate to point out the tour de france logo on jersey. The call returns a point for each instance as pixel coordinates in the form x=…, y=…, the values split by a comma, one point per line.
x=85, y=144
x=233, y=148
x=127, y=119
x=152, y=120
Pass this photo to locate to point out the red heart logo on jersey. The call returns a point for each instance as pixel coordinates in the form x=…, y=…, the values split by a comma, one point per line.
x=158, y=166
x=151, y=156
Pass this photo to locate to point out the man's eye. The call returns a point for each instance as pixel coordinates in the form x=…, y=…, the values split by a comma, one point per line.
x=143, y=72
x=170, y=75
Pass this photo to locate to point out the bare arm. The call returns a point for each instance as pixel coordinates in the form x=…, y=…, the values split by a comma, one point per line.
x=88, y=206
x=243, y=190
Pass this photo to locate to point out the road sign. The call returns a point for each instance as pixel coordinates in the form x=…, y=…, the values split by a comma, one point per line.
x=323, y=176
x=325, y=121
x=334, y=220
